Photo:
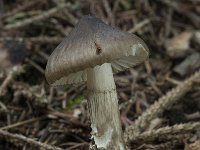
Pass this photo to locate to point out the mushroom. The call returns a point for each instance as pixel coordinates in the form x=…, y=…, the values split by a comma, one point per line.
x=92, y=52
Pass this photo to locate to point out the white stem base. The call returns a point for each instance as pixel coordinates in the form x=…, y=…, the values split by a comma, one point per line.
x=103, y=108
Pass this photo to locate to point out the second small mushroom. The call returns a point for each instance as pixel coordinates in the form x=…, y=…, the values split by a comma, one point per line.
x=92, y=52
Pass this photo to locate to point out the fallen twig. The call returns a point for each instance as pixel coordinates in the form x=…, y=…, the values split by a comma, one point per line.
x=194, y=18
x=20, y=8
x=22, y=123
x=159, y=106
x=139, y=26
x=70, y=18
x=109, y=12
x=27, y=140
x=40, y=39
x=16, y=70
x=165, y=131
x=28, y=21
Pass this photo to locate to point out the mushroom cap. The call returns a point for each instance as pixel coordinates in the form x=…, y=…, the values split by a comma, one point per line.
x=92, y=43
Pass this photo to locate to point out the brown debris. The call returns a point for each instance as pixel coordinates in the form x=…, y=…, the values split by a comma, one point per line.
x=193, y=146
x=179, y=45
x=30, y=30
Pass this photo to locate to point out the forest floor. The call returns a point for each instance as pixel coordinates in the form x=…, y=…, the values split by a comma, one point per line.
x=34, y=115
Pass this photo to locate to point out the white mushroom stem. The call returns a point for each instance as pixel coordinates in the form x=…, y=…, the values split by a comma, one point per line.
x=103, y=108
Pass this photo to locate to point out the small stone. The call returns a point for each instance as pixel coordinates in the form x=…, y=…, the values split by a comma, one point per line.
x=77, y=112
x=197, y=37
x=190, y=64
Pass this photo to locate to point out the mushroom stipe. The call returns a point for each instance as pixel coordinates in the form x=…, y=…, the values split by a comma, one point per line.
x=91, y=53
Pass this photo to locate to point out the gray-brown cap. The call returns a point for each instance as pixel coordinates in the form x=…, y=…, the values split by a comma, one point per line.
x=89, y=44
